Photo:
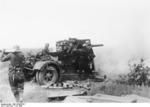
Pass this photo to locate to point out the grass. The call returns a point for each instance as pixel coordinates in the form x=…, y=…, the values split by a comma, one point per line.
x=117, y=89
x=143, y=91
x=110, y=88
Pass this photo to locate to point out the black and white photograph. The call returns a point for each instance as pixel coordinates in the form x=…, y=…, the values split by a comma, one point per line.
x=74, y=51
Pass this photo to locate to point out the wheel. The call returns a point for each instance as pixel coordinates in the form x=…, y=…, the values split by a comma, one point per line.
x=47, y=75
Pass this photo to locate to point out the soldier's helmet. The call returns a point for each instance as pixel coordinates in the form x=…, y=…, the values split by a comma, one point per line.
x=73, y=40
x=87, y=43
x=46, y=45
x=16, y=48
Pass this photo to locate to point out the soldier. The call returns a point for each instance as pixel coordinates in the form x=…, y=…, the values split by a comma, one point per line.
x=16, y=75
x=45, y=51
x=44, y=54
x=72, y=45
x=89, y=50
x=89, y=57
x=85, y=57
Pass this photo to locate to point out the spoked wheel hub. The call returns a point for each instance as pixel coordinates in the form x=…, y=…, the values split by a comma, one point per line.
x=47, y=75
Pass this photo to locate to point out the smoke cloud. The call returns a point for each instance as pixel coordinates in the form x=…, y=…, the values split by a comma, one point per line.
x=114, y=60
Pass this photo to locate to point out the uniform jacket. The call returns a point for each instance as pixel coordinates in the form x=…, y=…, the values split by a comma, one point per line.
x=16, y=59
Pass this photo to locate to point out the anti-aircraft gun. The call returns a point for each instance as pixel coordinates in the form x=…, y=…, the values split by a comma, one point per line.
x=71, y=61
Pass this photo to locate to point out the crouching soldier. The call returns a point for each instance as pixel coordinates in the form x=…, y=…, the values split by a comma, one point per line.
x=16, y=75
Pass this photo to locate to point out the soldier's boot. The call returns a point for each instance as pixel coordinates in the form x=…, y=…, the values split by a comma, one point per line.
x=21, y=96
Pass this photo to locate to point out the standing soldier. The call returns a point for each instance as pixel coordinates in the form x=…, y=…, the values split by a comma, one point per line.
x=16, y=75
x=85, y=56
x=89, y=57
x=89, y=50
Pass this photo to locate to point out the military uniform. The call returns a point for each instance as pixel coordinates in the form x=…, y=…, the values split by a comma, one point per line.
x=83, y=60
x=45, y=51
x=86, y=58
x=16, y=75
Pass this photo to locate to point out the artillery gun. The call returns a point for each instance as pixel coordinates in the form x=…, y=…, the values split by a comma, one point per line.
x=67, y=65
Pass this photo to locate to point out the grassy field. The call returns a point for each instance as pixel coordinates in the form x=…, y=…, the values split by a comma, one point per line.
x=113, y=88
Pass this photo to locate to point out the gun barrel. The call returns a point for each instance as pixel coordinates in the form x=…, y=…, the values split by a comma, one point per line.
x=97, y=45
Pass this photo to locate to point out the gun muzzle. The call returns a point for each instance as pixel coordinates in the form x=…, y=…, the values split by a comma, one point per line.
x=97, y=45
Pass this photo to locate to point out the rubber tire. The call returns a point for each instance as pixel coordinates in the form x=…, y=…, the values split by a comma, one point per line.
x=54, y=79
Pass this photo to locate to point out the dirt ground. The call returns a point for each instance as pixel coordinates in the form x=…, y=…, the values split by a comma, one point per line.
x=5, y=91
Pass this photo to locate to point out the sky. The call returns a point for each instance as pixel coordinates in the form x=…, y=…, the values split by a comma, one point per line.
x=31, y=23
x=123, y=26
